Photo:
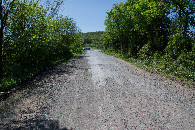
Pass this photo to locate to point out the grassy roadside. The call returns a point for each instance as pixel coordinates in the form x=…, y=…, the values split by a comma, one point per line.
x=155, y=66
x=8, y=83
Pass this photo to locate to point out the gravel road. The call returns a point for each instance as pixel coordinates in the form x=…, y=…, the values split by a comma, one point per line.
x=99, y=92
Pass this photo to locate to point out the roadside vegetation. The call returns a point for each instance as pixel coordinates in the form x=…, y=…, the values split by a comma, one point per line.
x=155, y=34
x=158, y=35
x=34, y=37
x=93, y=39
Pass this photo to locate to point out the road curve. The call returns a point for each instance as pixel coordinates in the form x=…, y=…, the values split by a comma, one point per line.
x=99, y=92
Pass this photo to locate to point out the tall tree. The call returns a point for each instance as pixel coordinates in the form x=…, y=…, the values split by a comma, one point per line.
x=5, y=9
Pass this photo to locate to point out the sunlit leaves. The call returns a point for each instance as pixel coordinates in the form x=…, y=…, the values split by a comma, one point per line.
x=33, y=38
x=143, y=28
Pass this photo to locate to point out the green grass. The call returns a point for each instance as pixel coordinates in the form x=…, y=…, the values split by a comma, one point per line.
x=173, y=71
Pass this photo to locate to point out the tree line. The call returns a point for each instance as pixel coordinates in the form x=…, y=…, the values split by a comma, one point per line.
x=159, y=32
x=93, y=39
x=156, y=33
x=34, y=36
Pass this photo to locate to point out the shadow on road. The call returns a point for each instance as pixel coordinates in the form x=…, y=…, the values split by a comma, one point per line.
x=82, y=56
x=33, y=124
x=61, y=69
x=34, y=114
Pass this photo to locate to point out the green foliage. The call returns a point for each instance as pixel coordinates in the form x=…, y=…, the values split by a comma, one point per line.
x=32, y=41
x=92, y=39
x=144, y=52
x=156, y=34
x=178, y=43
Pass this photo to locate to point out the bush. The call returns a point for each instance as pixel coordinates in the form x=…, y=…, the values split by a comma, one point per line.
x=177, y=43
x=144, y=52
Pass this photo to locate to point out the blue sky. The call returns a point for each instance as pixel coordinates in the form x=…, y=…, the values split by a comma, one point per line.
x=89, y=15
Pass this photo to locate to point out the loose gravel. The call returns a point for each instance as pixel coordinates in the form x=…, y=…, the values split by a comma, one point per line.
x=96, y=91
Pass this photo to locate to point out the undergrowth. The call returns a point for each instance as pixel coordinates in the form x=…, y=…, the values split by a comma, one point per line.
x=181, y=69
x=23, y=73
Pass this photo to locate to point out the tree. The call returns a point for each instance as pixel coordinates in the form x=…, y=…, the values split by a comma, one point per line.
x=185, y=13
x=153, y=29
x=5, y=9
x=182, y=27
x=34, y=39
x=135, y=23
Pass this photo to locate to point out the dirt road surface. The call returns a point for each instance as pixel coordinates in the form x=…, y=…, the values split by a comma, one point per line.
x=99, y=92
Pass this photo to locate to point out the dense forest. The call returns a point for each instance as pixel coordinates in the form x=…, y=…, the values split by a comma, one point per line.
x=33, y=37
x=93, y=39
x=154, y=33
